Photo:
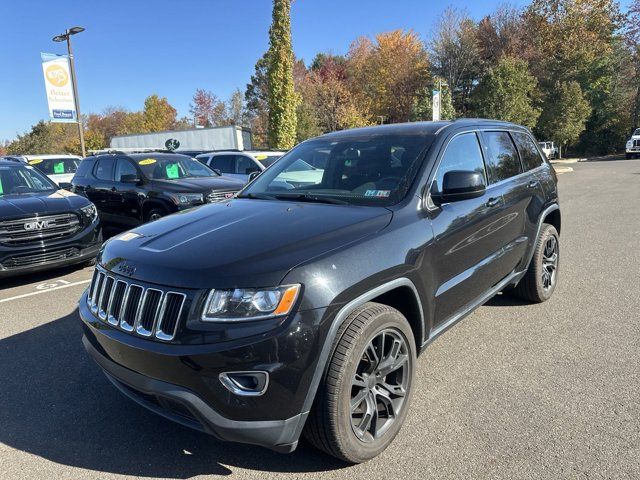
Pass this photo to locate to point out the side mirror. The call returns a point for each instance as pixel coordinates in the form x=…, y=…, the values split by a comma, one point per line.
x=253, y=175
x=130, y=178
x=460, y=185
x=65, y=186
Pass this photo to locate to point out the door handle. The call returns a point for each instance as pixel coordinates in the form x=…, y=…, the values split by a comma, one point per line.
x=532, y=184
x=492, y=202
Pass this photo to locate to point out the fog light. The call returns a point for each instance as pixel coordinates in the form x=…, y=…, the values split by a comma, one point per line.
x=247, y=384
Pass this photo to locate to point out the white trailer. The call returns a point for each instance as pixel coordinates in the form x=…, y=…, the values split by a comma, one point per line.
x=205, y=139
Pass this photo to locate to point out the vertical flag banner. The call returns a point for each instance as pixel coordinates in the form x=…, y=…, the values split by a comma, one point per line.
x=436, y=105
x=59, y=87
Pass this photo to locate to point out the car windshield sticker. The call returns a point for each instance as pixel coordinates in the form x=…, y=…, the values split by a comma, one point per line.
x=377, y=193
x=35, y=161
x=58, y=167
x=1, y=190
x=147, y=161
x=172, y=171
x=261, y=157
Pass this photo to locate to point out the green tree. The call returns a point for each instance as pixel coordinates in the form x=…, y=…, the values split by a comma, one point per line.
x=256, y=98
x=158, y=114
x=282, y=96
x=506, y=93
x=564, y=116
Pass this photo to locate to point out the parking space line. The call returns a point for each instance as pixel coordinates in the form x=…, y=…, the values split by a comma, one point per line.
x=67, y=285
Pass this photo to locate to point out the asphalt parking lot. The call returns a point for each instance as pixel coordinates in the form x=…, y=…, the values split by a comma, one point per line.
x=514, y=391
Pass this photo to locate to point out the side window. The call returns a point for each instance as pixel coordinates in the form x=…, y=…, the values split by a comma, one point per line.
x=462, y=153
x=528, y=152
x=104, y=169
x=224, y=163
x=503, y=161
x=124, y=167
x=245, y=165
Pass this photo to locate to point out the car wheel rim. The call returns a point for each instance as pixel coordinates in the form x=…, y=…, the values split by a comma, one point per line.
x=379, y=386
x=549, y=263
x=155, y=216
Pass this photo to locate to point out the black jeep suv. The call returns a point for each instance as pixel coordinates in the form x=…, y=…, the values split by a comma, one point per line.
x=305, y=306
x=132, y=189
x=41, y=226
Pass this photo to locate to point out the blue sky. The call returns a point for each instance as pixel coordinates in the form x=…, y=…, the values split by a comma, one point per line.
x=133, y=48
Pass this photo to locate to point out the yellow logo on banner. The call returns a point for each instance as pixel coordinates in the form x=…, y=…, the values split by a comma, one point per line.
x=56, y=75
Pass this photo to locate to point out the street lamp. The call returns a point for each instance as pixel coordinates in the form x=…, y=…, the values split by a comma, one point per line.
x=66, y=36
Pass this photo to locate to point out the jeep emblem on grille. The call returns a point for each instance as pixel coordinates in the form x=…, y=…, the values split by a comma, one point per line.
x=127, y=270
x=37, y=225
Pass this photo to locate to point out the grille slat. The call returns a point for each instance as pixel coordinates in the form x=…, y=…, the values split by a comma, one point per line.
x=148, y=312
x=18, y=261
x=220, y=196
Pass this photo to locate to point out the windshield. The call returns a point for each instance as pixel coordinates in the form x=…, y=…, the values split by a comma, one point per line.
x=173, y=167
x=55, y=166
x=16, y=180
x=637, y=132
x=371, y=170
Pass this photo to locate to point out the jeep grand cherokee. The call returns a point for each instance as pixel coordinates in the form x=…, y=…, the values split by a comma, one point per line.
x=301, y=308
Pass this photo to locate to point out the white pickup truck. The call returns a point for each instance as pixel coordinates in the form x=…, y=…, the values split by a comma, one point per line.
x=633, y=144
x=549, y=149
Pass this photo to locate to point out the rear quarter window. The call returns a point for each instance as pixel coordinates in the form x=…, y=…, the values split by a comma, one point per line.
x=528, y=152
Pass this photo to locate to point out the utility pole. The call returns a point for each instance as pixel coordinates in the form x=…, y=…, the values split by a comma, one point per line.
x=76, y=98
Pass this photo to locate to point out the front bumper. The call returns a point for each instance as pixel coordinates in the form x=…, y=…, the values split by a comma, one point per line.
x=181, y=382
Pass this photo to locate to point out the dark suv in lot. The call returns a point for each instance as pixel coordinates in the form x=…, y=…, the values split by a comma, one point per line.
x=41, y=226
x=129, y=190
x=301, y=308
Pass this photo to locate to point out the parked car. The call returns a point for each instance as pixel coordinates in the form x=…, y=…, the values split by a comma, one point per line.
x=129, y=190
x=632, y=147
x=302, y=310
x=59, y=168
x=42, y=227
x=266, y=157
x=236, y=163
x=549, y=149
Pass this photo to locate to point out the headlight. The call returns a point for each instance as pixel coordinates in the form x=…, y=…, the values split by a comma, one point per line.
x=243, y=304
x=629, y=144
x=186, y=198
x=90, y=212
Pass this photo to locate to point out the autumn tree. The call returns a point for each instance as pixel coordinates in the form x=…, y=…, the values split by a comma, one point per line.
x=158, y=114
x=282, y=97
x=507, y=93
x=455, y=55
x=565, y=114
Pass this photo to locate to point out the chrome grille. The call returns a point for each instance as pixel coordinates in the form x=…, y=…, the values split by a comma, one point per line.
x=636, y=143
x=220, y=196
x=37, y=229
x=145, y=311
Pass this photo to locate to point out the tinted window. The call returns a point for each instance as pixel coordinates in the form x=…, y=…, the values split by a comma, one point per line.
x=124, y=167
x=84, y=168
x=55, y=166
x=462, y=153
x=503, y=161
x=224, y=163
x=245, y=165
x=104, y=169
x=528, y=152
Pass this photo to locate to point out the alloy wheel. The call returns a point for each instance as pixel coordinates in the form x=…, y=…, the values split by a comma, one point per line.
x=549, y=263
x=379, y=386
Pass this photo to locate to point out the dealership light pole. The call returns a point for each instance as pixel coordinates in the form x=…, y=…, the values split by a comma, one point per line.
x=66, y=36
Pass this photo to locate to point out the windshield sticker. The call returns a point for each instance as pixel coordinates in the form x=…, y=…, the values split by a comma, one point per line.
x=1, y=190
x=377, y=193
x=261, y=157
x=58, y=167
x=35, y=161
x=147, y=161
x=172, y=171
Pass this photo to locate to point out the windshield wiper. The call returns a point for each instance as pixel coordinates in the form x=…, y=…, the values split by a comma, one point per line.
x=258, y=196
x=308, y=197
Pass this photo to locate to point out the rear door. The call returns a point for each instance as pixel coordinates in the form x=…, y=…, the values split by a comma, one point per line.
x=519, y=189
x=127, y=203
x=101, y=189
x=465, y=261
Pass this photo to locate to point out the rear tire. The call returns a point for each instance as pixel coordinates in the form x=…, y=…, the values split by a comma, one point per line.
x=365, y=393
x=540, y=281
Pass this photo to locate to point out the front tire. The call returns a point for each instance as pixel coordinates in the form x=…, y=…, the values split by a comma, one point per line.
x=155, y=214
x=364, y=397
x=540, y=281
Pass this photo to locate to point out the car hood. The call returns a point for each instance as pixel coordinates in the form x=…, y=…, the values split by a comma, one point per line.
x=198, y=185
x=241, y=243
x=40, y=203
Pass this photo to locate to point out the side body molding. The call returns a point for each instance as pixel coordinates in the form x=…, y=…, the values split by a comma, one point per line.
x=340, y=318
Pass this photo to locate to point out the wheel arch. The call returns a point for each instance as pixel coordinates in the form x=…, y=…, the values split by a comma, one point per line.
x=149, y=205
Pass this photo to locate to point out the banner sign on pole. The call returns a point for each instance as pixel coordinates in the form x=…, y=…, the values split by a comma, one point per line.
x=436, y=105
x=59, y=87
